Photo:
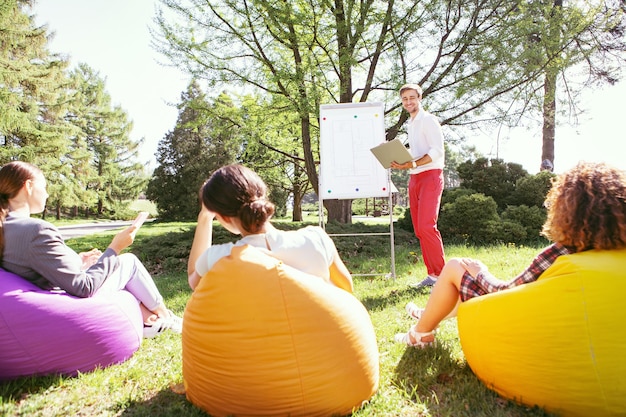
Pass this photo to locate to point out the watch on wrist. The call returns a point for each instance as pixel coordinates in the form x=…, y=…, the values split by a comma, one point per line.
x=413, y=164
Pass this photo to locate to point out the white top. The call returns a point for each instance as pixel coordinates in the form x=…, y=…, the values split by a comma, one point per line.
x=426, y=137
x=308, y=249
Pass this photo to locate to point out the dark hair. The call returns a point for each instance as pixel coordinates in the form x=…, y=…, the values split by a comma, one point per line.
x=237, y=191
x=587, y=208
x=12, y=178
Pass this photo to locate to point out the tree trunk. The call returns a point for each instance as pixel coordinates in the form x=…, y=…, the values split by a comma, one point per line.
x=339, y=210
x=549, y=86
x=549, y=117
x=296, y=215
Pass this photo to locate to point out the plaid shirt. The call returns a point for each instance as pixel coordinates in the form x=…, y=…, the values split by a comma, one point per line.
x=485, y=283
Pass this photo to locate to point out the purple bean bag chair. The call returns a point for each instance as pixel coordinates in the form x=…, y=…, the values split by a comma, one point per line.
x=43, y=332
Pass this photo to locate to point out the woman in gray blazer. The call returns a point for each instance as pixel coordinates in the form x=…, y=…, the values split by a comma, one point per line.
x=35, y=250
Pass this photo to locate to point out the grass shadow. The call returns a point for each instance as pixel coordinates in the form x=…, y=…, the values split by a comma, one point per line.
x=164, y=404
x=17, y=389
x=393, y=297
x=446, y=386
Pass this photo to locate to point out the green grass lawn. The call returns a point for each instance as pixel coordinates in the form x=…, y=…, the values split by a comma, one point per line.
x=431, y=382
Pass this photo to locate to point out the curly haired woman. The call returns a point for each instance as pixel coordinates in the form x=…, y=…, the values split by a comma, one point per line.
x=586, y=210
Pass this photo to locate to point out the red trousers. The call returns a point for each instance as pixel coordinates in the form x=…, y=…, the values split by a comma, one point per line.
x=425, y=191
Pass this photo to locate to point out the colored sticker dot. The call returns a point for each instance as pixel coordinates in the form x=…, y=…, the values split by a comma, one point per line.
x=384, y=188
x=357, y=190
x=328, y=191
x=355, y=116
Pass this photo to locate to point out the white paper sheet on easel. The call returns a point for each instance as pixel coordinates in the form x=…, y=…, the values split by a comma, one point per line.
x=347, y=167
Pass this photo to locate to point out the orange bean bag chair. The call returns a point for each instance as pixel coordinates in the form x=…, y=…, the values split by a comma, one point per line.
x=263, y=339
x=558, y=343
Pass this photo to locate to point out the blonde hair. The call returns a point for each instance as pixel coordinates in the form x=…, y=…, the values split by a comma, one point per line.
x=415, y=87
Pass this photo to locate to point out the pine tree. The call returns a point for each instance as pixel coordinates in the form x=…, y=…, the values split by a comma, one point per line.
x=31, y=91
x=113, y=176
x=204, y=139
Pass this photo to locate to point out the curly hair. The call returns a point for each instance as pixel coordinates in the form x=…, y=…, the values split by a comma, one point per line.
x=587, y=208
x=237, y=191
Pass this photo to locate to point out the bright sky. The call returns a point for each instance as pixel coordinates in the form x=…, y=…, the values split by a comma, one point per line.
x=600, y=136
x=112, y=37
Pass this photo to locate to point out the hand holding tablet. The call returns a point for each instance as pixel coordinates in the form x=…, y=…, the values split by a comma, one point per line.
x=141, y=217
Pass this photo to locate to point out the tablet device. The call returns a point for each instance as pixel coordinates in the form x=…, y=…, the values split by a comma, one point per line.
x=141, y=217
x=393, y=150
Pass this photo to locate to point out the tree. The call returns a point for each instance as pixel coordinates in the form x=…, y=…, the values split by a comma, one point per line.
x=114, y=176
x=61, y=122
x=272, y=148
x=577, y=46
x=205, y=138
x=465, y=55
x=31, y=91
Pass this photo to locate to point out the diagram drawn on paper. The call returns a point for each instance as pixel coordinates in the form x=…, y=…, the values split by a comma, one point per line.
x=348, y=169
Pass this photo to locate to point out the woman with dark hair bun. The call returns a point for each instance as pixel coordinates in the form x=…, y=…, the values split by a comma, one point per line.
x=236, y=197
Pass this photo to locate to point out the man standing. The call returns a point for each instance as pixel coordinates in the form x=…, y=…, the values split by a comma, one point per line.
x=426, y=179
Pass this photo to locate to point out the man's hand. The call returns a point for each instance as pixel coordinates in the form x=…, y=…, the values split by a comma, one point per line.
x=396, y=165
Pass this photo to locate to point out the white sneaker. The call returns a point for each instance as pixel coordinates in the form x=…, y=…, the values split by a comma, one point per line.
x=172, y=323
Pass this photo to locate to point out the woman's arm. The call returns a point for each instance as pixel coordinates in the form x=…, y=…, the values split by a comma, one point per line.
x=62, y=267
x=339, y=274
x=202, y=240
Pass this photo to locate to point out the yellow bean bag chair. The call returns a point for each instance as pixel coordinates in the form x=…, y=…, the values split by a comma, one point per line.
x=263, y=339
x=560, y=342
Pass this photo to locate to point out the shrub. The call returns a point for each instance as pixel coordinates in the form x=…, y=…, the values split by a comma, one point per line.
x=399, y=211
x=451, y=194
x=492, y=177
x=511, y=232
x=473, y=218
x=530, y=218
x=532, y=190
x=404, y=222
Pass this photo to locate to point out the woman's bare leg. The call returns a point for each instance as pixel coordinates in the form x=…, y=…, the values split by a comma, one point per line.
x=444, y=297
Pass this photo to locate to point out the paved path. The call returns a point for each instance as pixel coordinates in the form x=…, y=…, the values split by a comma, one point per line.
x=77, y=230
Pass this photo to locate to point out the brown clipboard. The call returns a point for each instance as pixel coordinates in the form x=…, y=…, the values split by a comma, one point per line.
x=393, y=150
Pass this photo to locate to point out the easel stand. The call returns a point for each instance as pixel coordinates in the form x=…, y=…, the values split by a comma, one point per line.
x=392, y=273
